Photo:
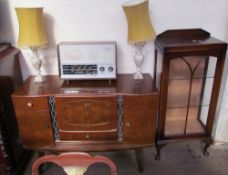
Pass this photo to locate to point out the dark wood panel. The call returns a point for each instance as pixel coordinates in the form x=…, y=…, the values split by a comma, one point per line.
x=12, y=156
x=35, y=128
x=139, y=126
x=86, y=113
x=139, y=119
x=95, y=116
x=142, y=102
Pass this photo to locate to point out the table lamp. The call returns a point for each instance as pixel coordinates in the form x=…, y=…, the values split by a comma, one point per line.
x=140, y=29
x=31, y=35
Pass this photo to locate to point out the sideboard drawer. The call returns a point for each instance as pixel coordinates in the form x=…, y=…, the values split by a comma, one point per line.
x=31, y=103
x=86, y=135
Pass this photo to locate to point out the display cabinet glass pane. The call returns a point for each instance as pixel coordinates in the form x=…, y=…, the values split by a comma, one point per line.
x=175, y=121
x=177, y=69
x=193, y=124
x=158, y=70
x=206, y=98
x=211, y=67
x=182, y=68
x=178, y=93
x=196, y=92
x=189, y=92
x=204, y=114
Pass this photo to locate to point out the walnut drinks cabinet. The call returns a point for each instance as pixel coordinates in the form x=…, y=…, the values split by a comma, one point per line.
x=60, y=116
x=188, y=71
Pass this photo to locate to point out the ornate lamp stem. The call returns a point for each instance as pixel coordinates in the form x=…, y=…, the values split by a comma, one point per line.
x=37, y=62
x=138, y=58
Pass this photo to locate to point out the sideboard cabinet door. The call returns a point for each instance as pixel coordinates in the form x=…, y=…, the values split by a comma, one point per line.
x=139, y=118
x=87, y=118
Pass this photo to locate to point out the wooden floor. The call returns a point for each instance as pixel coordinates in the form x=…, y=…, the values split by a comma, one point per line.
x=183, y=158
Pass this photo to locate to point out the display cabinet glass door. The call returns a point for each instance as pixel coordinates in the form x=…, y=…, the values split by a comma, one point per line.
x=190, y=82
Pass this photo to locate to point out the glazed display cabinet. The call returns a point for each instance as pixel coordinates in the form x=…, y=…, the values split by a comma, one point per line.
x=188, y=72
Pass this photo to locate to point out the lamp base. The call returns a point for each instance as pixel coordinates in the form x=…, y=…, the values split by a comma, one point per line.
x=37, y=62
x=39, y=79
x=138, y=59
x=138, y=75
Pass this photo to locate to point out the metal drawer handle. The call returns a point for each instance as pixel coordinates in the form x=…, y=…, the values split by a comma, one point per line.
x=29, y=104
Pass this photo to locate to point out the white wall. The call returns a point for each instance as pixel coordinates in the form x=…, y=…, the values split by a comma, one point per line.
x=221, y=134
x=72, y=20
x=94, y=20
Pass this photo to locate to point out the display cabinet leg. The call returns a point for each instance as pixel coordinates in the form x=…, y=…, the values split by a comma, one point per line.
x=207, y=145
x=158, y=149
x=157, y=156
x=139, y=159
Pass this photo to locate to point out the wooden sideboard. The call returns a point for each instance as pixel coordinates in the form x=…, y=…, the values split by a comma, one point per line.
x=57, y=115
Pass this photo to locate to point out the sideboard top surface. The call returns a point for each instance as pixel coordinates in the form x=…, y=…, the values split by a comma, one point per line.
x=53, y=85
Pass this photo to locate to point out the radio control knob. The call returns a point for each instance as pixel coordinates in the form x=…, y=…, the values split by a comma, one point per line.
x=110, y=69
x=102, y=69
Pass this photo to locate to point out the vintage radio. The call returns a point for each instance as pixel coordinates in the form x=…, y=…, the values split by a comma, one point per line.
x=87, y=60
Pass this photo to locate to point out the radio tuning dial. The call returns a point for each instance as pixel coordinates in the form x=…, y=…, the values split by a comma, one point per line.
x=110, y=69
x=102, y=69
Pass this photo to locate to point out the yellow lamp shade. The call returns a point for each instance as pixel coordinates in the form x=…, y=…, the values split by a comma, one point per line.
x=31, y=30
x=140, y=28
